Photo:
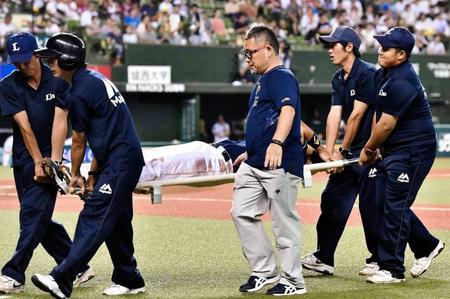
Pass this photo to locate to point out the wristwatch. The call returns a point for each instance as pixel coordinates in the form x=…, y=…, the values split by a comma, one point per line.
x=345, y=151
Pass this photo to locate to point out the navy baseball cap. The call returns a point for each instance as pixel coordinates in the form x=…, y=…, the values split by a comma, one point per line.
x=397, y=37
x=344, y=34
x=20, y=47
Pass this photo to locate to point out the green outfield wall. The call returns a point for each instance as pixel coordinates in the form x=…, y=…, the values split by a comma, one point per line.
x=217, y=64
x=200, y=87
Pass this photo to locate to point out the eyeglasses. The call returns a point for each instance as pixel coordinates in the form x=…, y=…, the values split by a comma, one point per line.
x=248, y=54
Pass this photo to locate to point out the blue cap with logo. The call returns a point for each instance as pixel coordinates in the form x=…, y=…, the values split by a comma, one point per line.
x=20, y=47
x=344, y=34
x=397, y=37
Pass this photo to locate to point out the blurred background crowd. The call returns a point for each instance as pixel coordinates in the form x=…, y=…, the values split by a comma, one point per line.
x=111, y=24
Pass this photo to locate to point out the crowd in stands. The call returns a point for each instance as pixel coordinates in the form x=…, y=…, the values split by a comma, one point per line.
x=111, y=24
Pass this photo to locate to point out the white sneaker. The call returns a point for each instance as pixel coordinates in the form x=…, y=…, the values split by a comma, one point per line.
x=369, y=269
x=310, y=262
x=83, y=277
x=281, y=289
x=383, y=276
x=9, y=285
x=117, y=290
x=421, y=265
x=47, y=284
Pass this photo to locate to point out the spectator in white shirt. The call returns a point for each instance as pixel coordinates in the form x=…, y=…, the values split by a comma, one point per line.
x=6, y=28
x=441, y=24
x=221, y=129
x=436, y=47
x=86, y=16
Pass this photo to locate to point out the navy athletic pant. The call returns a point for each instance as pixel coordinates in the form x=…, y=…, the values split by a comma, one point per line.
x=399, y=178
x=37, y=202
x=106, y=217
x=337, y=203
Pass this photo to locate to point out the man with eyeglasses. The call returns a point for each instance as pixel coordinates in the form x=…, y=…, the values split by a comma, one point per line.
x=405, y=134
x=271, y=170
x=353, y=91
x=32, y=97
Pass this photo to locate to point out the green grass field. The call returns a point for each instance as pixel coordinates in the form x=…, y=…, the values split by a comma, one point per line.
x=192, y=258
x=431, y=192
x=195, y=258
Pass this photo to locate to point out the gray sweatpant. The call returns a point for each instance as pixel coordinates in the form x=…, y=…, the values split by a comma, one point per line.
x=257, y=191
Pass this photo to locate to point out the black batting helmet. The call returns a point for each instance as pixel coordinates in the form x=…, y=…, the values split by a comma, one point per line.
x=68, y=48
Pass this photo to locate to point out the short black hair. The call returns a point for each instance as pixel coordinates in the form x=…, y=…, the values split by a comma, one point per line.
x=355, y=50
x=264, y=32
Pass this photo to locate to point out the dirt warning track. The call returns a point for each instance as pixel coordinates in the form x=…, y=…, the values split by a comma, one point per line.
x=215, y=203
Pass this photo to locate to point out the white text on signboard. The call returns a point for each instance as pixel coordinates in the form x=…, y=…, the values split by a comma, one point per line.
x=149, y=74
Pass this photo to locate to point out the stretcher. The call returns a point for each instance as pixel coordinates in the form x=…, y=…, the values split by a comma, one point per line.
x=197, y=164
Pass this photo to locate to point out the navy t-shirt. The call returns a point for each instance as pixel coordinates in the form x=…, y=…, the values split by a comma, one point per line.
x=274, y=89
x=360, y=86
x=97, y=108
x=401, y=94
x=16, y=96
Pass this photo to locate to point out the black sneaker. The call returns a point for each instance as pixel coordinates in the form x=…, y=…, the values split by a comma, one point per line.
x=285, y=290
x=256, y=283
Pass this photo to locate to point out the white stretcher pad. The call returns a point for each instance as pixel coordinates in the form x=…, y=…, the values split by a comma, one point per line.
x=195, y=164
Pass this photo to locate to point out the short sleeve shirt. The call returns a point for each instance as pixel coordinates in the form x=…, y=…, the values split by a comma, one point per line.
x=274, y=89
x=97, y=108
x=359, y=86
x=401, y=94
x=17, y=96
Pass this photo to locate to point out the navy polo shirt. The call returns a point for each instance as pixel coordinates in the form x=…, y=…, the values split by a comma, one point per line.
x=16, y=96
x=401, y=94
x=274, y=89
x=360, y=86
x=97, y=108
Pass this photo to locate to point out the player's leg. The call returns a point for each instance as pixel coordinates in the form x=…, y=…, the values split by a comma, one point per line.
x=404, y=177
x=120, y=241
x=249, y=205
x=371, y=211
x=37, y=202
x=422, y=243
x=282, y=190
x=336, y=205
x=96, y=221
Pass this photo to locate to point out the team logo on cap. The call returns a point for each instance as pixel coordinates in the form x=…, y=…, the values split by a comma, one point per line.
x=352, y=92
x=15, y=46
x=382, y=93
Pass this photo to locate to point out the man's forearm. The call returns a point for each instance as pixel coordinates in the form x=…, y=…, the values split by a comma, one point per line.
x=29, y=138
x=332, y=131
x=350, y=130
x=77, y=155
x=284, y=125
x=379, y=135
x=32, y=145
x=94, y=165
x=59, y=133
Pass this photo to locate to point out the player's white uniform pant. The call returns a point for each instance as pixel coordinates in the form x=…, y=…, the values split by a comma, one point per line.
x=257, y=191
